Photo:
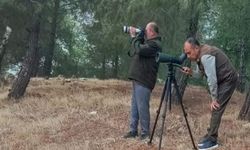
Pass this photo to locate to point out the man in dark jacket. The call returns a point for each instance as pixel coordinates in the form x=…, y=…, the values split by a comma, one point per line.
x=143, y=72
x=221, y=78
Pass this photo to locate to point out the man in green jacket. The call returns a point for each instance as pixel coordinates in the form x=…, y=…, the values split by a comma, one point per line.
x=143, y=72
x=221, y=78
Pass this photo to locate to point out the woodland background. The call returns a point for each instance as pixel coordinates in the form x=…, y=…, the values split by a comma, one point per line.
x=64, y=65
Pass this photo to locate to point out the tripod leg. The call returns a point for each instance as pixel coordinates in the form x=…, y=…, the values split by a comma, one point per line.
x=168, y=97
x=158, y=112
x=184, y=112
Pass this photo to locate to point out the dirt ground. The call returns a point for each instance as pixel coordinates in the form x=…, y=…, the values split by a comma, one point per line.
x=89, y=114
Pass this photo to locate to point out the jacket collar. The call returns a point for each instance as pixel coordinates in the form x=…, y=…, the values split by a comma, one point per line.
x=155, y=38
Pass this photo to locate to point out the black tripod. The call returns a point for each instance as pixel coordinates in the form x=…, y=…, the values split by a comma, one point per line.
x=167, y=96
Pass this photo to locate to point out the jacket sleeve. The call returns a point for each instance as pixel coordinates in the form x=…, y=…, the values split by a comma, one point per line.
x=208, y=62
x=146, y=49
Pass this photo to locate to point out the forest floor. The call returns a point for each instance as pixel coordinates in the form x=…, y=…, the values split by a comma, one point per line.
x=60, y=114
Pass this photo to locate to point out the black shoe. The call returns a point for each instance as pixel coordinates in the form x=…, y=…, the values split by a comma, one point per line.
x=130, y=135
x=144, y=137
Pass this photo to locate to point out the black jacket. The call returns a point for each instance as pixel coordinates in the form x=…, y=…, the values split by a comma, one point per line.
x=143, y=67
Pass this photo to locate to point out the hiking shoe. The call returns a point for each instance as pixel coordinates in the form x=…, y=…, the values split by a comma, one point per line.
x=144, y=137
x=203, y=140
x=130, y=135
x=208, y=145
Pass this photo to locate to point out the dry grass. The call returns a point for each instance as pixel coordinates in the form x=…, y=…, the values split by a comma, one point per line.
x=57, y=114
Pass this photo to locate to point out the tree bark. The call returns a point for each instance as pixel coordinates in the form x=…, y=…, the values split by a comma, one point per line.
x=192, y=30
x=242, y=71
x=3, y=45
x=194, y=20
x=36, y=66
x=21, y=82
x=245, y=110
x=50, y=53
x=116, y=65
x=103, y=75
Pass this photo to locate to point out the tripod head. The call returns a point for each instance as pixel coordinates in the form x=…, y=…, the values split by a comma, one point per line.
x=172, y=65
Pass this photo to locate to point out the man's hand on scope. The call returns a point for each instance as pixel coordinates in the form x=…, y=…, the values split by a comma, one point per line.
x=187, y=70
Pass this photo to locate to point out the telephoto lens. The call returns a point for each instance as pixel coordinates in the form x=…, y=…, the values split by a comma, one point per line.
x=126, y=29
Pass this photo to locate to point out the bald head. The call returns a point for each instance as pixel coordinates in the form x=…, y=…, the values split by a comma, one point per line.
x=154, y=26
x=152, y=30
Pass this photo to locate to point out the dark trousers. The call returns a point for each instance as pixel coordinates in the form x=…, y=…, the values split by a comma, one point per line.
x=225, y=92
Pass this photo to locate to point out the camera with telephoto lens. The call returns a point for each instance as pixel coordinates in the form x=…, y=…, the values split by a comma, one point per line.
x=126, y=29
x=139, y=32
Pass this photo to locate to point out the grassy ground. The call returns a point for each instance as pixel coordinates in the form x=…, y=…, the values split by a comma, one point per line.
x=59, y=114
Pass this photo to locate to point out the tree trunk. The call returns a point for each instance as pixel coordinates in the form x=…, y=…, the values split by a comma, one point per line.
x=194, y=20
x=103, y=74
x=50, y=53
x=21, y=82
x=245, y=110
x=3, y=45
x=193, y=28
x=76, y=72
x=242, y=71
x=36, y=66
x=116, y=65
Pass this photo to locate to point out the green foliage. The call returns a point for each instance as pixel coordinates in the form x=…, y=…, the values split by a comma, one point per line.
x=14, y=15
x=89, y=37
x=70, y=50
x=227, y=24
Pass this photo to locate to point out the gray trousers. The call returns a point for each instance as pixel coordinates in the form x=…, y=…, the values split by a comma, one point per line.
x=225, y=91
x=140, y=108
